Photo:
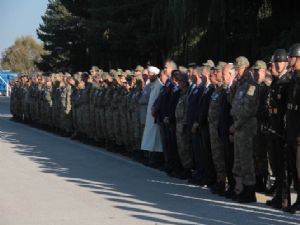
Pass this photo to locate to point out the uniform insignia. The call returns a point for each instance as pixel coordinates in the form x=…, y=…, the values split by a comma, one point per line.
x=251, y=90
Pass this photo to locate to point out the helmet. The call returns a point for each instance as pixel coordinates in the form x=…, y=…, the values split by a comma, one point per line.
x=295, y=50
x=280, y=55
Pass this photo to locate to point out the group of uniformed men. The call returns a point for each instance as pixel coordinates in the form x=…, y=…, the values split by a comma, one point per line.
x=228, y=126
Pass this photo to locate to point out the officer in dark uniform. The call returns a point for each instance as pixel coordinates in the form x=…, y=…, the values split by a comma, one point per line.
x=293, y=122
x=193, y=99
x=260, y=151
x=201, y=125
x=161, y=108
x=277, y=102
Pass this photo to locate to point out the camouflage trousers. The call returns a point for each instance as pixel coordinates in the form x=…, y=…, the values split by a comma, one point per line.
x=109, y=124
x=92, y=118
x=243, y=167
x=217, y=152
x=102, y=124
x=184, y=147
x=117, y=134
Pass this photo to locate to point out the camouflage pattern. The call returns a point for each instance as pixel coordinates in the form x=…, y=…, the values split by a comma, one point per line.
x=217, y=149
x=244, y=109
x=183, y=142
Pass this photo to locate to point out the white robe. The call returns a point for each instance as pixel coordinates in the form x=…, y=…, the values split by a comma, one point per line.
x=151, y=137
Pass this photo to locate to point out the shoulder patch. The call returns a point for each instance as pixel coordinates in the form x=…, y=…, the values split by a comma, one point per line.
x=251, y=90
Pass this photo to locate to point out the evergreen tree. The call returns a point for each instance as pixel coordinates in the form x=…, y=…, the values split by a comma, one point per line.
x=63, y=37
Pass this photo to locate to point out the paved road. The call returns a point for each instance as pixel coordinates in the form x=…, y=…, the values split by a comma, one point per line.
x=50, y=180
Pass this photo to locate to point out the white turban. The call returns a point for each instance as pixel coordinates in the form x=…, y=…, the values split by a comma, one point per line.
x=154, y=70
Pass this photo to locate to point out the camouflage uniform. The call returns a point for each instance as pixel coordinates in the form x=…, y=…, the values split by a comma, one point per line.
x=108, y=125
x=217, y=149
x=183, y=141
x=244, y=108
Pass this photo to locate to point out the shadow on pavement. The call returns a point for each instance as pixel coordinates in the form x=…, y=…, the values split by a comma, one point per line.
x=143, y=192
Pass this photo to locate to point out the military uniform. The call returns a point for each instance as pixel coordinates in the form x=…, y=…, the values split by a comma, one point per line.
x=183, y=140
x=217, y=148
x=244, y=108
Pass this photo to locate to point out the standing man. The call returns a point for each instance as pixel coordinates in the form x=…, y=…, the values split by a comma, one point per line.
x=193, y=99
x=161, y=112
x=151, y=141
x=293, y=122
x=277, y=110
x=244, y=108
x=260, y=151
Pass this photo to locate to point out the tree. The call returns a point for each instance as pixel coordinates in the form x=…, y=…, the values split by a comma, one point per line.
x=22, y=55
x=63, y=37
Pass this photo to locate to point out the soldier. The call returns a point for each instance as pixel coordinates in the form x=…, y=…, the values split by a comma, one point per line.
x=85, y=105
x=293, y=122
x=109, y=125
x=67, y=107
x=225, y=122
x=217, y=150
x=244, y=108
x=47, y=103
x=138, y=129
x=260, y=151
x=277, y=104
x=182, y=136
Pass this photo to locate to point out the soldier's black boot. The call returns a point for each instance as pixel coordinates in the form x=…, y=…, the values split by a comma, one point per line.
x=248, y=194
x=218, y=188
x=260, y=185
x=275, y=202
x=295, y=208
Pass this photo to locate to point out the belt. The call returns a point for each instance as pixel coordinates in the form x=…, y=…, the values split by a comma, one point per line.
x=273, y=110
x=293, y=107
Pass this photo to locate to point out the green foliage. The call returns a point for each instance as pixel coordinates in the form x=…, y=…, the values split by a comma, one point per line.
x=22, y=55
x=123, y=33
x=63, y=37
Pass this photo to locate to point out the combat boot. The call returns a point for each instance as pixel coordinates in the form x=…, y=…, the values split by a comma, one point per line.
x=248, y=194
x=218, y=188
x=275, y=202
x=294, y=208
x=260, y=185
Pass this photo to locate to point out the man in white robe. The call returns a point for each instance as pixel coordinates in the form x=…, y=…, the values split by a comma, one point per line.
x=151, y=137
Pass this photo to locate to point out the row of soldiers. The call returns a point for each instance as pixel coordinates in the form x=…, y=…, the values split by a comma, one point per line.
x=99, y=106
x=237, y=121
x=215, y=121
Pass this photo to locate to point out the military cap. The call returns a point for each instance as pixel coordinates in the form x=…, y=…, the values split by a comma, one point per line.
x=192, y=64
x=139, y=68
x=95, y=68
x=295, y=50
x=280, y=55
x=220, y=65
x=112, y=71
x=241, y=61
x=209, y=63
x=183, y=69
x=259, y=64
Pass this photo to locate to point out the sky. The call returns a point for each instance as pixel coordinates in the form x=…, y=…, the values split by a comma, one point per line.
x=19, y=18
